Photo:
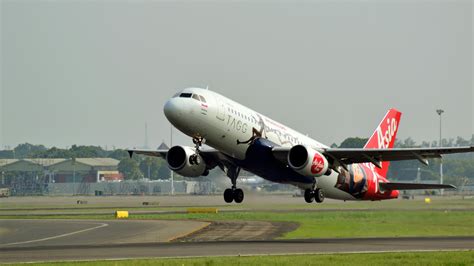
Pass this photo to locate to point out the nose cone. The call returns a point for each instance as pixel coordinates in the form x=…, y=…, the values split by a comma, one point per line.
x=171, y=110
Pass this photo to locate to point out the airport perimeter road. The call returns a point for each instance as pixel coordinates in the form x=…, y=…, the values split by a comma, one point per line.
x=121, y=251
x=34, y=233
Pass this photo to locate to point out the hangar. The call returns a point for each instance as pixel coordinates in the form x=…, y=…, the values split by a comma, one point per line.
x=32, y=175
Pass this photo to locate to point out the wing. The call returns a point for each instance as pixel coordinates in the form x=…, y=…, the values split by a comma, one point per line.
x=413, y=186
x=155, y=153
x=212, y=157
x=349, y=156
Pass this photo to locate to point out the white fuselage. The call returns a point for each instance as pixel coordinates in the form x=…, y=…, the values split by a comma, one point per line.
x=227, y=125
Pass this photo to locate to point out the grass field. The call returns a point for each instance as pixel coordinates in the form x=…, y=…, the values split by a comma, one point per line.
x=411, y=258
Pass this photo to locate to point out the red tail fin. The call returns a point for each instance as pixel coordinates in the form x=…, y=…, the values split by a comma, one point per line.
x=384, y=136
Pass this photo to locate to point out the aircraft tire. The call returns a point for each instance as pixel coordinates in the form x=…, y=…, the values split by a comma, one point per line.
x=319, y=195
x=228, y=195
x=238, y=195
x=308, y=195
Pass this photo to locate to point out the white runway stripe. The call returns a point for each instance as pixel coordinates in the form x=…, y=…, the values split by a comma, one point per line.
x=58, y=236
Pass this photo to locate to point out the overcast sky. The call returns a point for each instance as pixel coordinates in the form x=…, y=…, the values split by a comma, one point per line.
x=93, y=72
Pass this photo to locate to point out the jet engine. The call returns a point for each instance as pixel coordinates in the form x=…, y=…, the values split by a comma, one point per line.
x=307, y=161
x=184, y=161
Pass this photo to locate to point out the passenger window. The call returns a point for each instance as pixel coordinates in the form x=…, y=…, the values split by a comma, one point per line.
x=195, y=96
x=185, y=95
x=202, y=98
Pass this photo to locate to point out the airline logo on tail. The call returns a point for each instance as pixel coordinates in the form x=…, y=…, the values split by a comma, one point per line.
x=384, y=136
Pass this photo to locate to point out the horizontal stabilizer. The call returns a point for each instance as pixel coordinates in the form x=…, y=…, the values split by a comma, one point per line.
x=413, y=186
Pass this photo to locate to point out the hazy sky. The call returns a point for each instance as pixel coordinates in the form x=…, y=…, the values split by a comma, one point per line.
x=93, y=72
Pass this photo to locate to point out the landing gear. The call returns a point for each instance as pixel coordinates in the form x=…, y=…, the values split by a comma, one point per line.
x=234, y=193
x=238, y=195
x=316, y=195
x=308, y=195
x=228, y=195
x=198, y=141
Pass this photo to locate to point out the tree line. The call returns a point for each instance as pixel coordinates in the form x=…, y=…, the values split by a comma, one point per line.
x=134, y=168
x=457, y=167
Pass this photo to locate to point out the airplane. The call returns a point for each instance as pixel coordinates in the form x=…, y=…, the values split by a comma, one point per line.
x=241, y=138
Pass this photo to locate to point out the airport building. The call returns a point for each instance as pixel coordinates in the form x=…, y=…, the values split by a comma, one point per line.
x=84, y=176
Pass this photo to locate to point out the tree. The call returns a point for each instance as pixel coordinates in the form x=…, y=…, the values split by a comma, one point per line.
x=164, y=172
x=118, y=154
x=354, y=142
x=154, y=168
x=462, y=142
x=25, y=150
x=53, y=153
x=87, y=151
x=130, y=169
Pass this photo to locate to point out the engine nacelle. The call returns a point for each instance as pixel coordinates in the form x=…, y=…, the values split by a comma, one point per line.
x=179, y=160
x=307, y=161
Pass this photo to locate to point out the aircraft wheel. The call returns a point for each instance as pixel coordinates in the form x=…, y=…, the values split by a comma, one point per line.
x=308, y=195
x=238, y=195
x=228, y=195
x=319, y=195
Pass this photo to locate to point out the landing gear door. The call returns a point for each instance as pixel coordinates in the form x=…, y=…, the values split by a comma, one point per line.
x=220, y=109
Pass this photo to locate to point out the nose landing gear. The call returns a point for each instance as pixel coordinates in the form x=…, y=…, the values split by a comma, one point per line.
x=198, y=141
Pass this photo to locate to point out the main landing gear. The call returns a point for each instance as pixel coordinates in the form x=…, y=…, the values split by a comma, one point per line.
x=234, y=193
x=314, y=193
x=198, y=141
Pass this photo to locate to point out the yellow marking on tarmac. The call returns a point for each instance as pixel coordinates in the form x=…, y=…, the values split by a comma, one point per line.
x=121, y=214
x=189, y=233
x=58, y=236
x=202, y=210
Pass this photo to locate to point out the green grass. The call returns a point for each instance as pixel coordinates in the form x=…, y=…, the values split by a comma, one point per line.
x=355, y=223
x=411, y=258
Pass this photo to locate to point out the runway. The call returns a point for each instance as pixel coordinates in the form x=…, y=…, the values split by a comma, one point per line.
x=53, y=240
x=312, y=246
x=41, y=233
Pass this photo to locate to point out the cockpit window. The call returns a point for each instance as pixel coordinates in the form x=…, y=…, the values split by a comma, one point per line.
x=202, y=98
x=195, y=96
x=185, y=95
x=176, y=95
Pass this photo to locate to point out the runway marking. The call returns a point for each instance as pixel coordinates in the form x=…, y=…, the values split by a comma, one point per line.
x=58, y=236
x=252, y=255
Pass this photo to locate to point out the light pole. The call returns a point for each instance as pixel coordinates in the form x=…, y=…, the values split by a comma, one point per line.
x=440, y=112
x=73, y=160
x=171, y=171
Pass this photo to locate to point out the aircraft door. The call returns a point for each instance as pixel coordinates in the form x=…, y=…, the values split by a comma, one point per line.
x=220, y=109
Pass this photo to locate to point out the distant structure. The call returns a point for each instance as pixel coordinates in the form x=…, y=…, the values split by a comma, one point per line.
x=33, y=176
x=146, y=146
